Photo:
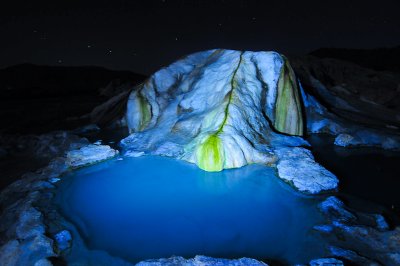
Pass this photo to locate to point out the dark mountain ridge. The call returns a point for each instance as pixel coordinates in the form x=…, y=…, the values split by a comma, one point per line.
x=379, y=59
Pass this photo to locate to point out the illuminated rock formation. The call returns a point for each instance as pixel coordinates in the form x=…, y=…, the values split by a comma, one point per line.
x=219, y=109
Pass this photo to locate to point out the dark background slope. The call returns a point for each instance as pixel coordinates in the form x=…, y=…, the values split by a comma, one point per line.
x=377, y=59
x=37, y=99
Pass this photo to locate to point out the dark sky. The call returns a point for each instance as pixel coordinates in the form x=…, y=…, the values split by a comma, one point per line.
x=143, y=36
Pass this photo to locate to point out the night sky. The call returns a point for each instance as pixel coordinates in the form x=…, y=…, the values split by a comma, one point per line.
x=143, y=36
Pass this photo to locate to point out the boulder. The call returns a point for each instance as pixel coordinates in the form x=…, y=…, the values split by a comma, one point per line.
x=297, y=166
x=89, y=154
x=63, y=240
x=218, y=109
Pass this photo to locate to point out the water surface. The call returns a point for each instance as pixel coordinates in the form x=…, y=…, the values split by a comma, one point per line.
x=372, y=174
x=153, y=207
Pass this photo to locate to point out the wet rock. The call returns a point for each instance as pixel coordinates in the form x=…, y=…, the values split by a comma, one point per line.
x=26, y=252
x=335, y=210
x=326, y=262
x=298, y=167
x=371, y=243
x=43, y=262
x=380, y=222
x=10, y=252
x=132, y=153
x=360, y=243
x=352, y=256
x=325, y=228
x=343, y=140
x=29, y=224
x=23, y=232
x=369, y=138
x=89, y=154
x=201, y=261
x=63, y=240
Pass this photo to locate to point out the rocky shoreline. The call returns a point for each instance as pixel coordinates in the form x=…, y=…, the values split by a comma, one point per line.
x=33, y=233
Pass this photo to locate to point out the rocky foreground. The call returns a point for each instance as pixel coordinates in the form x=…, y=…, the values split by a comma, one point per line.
x=33, y=232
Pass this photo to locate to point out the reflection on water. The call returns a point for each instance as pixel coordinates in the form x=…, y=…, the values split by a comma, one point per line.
x=152, y=207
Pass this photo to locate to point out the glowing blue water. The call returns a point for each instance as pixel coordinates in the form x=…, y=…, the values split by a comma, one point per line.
x=152, y=207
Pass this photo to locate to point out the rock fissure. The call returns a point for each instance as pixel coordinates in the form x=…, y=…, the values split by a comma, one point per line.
x=232, y=83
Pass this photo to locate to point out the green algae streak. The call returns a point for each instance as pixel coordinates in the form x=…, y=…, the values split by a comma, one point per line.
x=288, y=113
x=210, y=154
x=145, y=112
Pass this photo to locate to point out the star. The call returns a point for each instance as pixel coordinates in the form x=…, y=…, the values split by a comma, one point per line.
x=59, y=61
x=109, y=51
x=176, y=38
x=89, y=46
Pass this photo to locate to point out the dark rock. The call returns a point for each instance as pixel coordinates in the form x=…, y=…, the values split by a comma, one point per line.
x=352, y=92
x=63, y=240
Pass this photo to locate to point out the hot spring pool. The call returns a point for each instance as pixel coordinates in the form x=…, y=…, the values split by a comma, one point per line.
x=153, y=207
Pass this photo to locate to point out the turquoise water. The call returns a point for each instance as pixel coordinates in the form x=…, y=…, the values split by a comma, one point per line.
x=153, y=207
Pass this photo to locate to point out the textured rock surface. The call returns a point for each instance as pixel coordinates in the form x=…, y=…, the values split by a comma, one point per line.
x=30, y=152
x=89, y=154
x=24, y=239
x=297, y=166
x=351, y=91
x=344, y=98
x=216, y=109
x=201, y=261
x=368, y=138
x=326, y=262
x=354, y=241
x=63, y=240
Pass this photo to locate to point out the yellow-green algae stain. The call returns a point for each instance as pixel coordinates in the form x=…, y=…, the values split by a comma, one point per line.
x=145, y=111
x=288, y=113
x=210, y=153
